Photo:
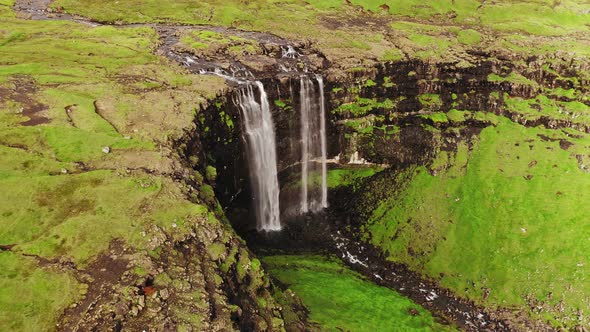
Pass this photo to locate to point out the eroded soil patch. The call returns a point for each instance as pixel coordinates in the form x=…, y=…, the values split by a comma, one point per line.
x=22, y=93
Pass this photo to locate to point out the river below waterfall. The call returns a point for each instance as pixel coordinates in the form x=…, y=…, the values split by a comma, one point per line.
x=304, y=258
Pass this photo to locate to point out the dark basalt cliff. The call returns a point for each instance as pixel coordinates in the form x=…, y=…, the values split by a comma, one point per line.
x=391, y=108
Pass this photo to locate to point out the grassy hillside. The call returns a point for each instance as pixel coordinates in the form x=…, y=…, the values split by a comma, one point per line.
x=361, y=31
x=541, y=17
x=503, y=222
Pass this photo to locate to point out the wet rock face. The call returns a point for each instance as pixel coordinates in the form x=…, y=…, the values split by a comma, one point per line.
x=396, y=132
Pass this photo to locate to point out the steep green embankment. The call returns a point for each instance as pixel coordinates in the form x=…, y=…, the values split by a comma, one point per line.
x=492, y=203
x=503, y=222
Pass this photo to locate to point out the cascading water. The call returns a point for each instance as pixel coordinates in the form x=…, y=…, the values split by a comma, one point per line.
x=323, y=143
x=290, y=52
x=313, y=146
x=262, y=158
x=259, y=134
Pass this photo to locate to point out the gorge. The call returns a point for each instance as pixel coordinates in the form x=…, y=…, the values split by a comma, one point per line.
x=168, y=166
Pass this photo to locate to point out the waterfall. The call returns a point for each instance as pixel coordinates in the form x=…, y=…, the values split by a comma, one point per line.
x=262, y=157
x=305, y=140
x=323, y=144
x=313, y=145
x=260, y=142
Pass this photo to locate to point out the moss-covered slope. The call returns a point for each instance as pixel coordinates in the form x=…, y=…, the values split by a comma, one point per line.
x=502, y=222
x=490, y=202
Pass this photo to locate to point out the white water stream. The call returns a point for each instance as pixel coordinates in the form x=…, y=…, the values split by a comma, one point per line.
x=261, y=155
x=313, y=145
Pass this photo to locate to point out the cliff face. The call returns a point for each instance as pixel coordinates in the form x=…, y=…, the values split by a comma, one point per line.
x=401, y=113
x=402, y=96
x=484, y=163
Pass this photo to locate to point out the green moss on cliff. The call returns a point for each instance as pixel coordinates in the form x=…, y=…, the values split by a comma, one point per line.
x=430, y=101
x=513, y=78
x=338, y=177
x=364, y=106
x=541, y=106
x=437, y=117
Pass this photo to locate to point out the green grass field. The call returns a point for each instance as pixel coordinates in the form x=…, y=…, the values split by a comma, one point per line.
x=541, y=17
x=341, y=300
x=64, y=198
x=435, y=30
